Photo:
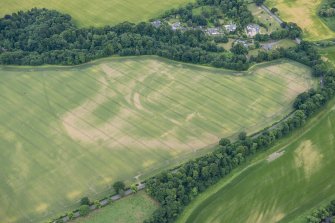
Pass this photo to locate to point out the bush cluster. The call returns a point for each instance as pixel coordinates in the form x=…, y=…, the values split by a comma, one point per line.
x=323, y=214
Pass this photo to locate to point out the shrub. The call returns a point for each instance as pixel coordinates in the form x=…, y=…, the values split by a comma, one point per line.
x=84, y=210
x=85, y=201
x=118, y=186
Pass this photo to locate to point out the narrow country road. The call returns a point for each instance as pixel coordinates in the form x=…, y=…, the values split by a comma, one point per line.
x=272, y=15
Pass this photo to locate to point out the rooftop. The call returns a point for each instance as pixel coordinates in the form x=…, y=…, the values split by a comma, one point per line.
x=156, y=23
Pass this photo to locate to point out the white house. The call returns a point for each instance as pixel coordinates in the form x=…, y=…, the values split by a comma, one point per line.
x=253, y=29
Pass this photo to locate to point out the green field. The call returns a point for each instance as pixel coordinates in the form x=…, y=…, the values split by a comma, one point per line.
x=69, y=132
x=304, y=13
x=134, y=209
x=276, y=188
x=328, y=54
x=99, y=12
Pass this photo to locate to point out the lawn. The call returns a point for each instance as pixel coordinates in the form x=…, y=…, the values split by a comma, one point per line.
x=329, y=54
x=69, y=132
x=304, y=13
x=99, y=12
x=262, y=16
x=285, y=188
x=132, y=209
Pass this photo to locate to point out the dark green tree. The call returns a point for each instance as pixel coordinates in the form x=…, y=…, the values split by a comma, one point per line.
x=85, y=201
x=119, y=186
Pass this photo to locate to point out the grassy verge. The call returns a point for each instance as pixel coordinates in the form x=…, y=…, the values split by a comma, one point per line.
x=135, y=208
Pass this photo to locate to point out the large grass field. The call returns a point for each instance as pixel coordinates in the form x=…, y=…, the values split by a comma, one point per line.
x=69, y=132
x=276, y=188
x=304, y=13
x=132, y=209
x=98, y=12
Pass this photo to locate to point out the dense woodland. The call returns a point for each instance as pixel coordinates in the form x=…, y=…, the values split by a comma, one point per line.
x=174, y=190
x=42, y=36
x=232, y=9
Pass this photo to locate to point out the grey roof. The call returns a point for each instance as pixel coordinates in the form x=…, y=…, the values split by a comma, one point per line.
x=243, y=42
x=156, y=23
x=176, y=25
x=231, y=27
x=214, y=31
x=253, y=29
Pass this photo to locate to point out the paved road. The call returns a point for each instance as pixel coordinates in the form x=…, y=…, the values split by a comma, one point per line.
x=272, y=15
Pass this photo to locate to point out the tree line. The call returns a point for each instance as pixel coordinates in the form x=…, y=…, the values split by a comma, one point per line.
x=176, y=189
x=42, y=36
x=290, y=30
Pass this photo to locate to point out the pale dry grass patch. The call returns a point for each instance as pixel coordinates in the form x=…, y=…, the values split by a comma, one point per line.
x=304, y=13
x=308, y=158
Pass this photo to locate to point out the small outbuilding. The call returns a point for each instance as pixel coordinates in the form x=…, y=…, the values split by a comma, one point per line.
x=243, y=42
x=176, y=26
x=214, y=31
x=231, y=27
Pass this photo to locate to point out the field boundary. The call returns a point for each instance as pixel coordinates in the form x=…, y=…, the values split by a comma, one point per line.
x=256, y=160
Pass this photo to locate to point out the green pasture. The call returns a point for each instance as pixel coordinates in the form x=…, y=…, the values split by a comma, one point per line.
x=305, y=14
x=69, y=132
x=99, y=12
x=284, y=189
x=134, y=209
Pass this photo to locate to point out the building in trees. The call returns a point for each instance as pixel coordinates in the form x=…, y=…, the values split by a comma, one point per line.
x=156, y=23
x=231, y=27
x=253, y=30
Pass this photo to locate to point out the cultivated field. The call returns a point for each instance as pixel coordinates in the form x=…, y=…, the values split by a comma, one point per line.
x=132, y=209
x=99, y=12
x=304, y=13
x=68, y=132
x=284, y=186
